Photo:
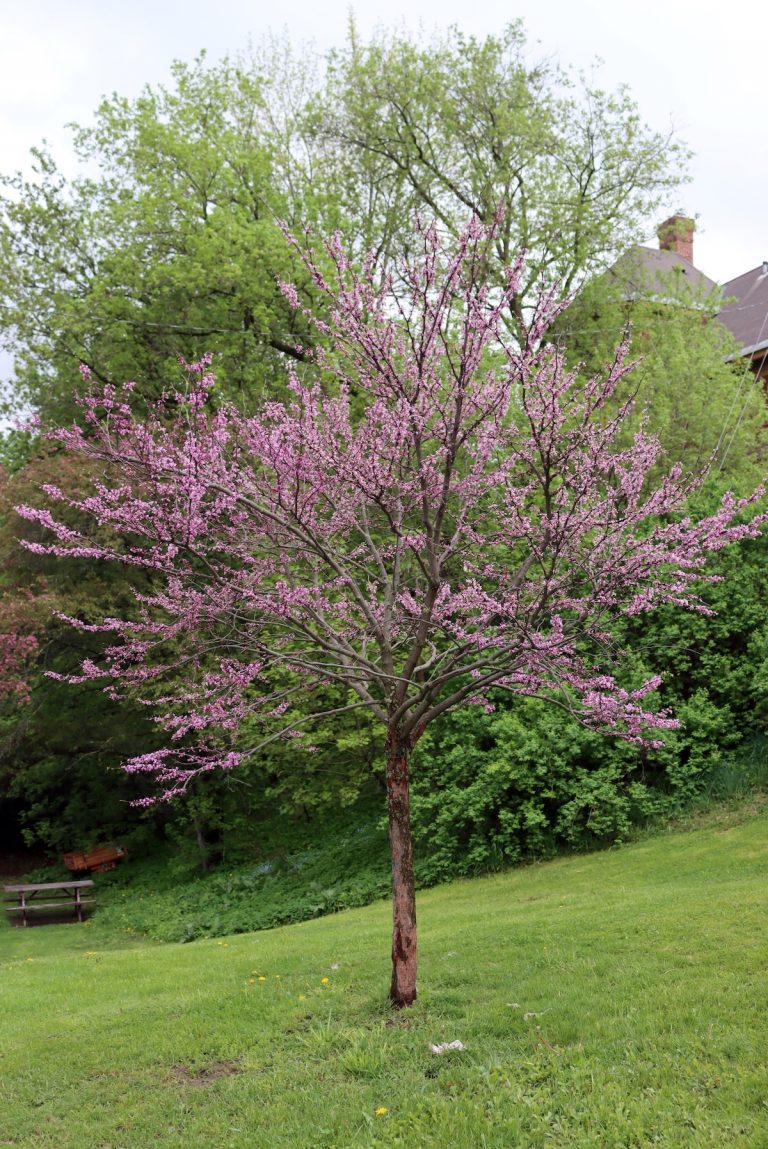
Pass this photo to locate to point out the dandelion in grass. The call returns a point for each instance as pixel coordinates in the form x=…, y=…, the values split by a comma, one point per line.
x=324, y=980
x=302, y=997
x=381, y=1111
x=262, y=978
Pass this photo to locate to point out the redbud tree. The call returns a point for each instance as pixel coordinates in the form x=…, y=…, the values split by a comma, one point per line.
x=433, y=512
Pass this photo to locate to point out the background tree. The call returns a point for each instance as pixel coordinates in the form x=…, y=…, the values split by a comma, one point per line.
x=23, y=611
x=472, y=526
x=60, y=782
x=462, y=125
x=165, y=244
x=705, y=406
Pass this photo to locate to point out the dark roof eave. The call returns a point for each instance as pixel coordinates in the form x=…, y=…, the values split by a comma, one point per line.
x=753, y=350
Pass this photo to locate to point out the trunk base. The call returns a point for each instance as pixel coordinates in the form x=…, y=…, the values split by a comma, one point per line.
x=402, y=1000
x=402, y=991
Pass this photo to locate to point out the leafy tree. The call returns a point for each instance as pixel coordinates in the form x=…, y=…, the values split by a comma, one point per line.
x=59, y=754
x=16, y=648
x=461, y=125
x=166, y=243
x=707, y=409
x=22, y=613
x=472, y=527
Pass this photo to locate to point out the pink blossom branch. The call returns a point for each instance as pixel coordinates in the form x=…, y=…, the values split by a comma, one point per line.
x=448, y=513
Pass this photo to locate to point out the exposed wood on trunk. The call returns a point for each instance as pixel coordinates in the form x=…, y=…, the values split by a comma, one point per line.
x=403, y=987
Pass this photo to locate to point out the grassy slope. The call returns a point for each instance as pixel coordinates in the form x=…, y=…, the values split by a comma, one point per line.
x=611, y=1000
x=338, y=861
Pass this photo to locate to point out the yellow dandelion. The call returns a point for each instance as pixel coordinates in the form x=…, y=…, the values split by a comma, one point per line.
x=324, y=980
x=302, y=997
x=262, y=978
x=381, y=1111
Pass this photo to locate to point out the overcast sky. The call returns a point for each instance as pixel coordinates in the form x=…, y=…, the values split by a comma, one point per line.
x=698, y=66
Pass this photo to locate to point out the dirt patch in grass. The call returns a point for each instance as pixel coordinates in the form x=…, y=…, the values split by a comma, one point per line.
x=206, y=1074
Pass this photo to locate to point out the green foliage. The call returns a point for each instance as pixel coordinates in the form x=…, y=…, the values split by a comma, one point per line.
x=60, y=766
x=336, y=758
x=528, y=780
x=167, y=245
x=706, y=408
x=491, y=790
x=297, y=870
x=459, y=125
x=60, y=752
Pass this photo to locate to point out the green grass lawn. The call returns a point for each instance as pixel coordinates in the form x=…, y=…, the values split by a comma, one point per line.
x=615, y=999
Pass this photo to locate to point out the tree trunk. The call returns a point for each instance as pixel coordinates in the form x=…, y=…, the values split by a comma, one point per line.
x=403, y=988
x=202, y=845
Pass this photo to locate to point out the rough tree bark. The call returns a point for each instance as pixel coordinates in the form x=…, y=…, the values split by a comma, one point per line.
x=402, y=990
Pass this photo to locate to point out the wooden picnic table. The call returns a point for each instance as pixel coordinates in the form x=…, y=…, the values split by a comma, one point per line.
x=53, y=895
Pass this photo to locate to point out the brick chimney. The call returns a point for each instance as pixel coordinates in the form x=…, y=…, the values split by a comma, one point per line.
x=676, y=234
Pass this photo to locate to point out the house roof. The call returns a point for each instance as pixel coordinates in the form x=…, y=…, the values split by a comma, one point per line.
x=746, y=315
x=665, y=276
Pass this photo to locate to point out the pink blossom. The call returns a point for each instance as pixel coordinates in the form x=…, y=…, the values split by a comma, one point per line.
x=468, y=523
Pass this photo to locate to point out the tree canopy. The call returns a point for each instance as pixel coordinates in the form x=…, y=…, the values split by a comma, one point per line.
x=465, y=126
x=165, y=243
x=703, y=403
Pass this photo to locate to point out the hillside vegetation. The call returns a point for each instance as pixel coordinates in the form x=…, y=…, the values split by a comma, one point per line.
x=614, y=999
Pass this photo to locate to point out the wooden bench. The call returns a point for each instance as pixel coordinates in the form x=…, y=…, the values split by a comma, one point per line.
x=99, y=858
x=59, y=895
